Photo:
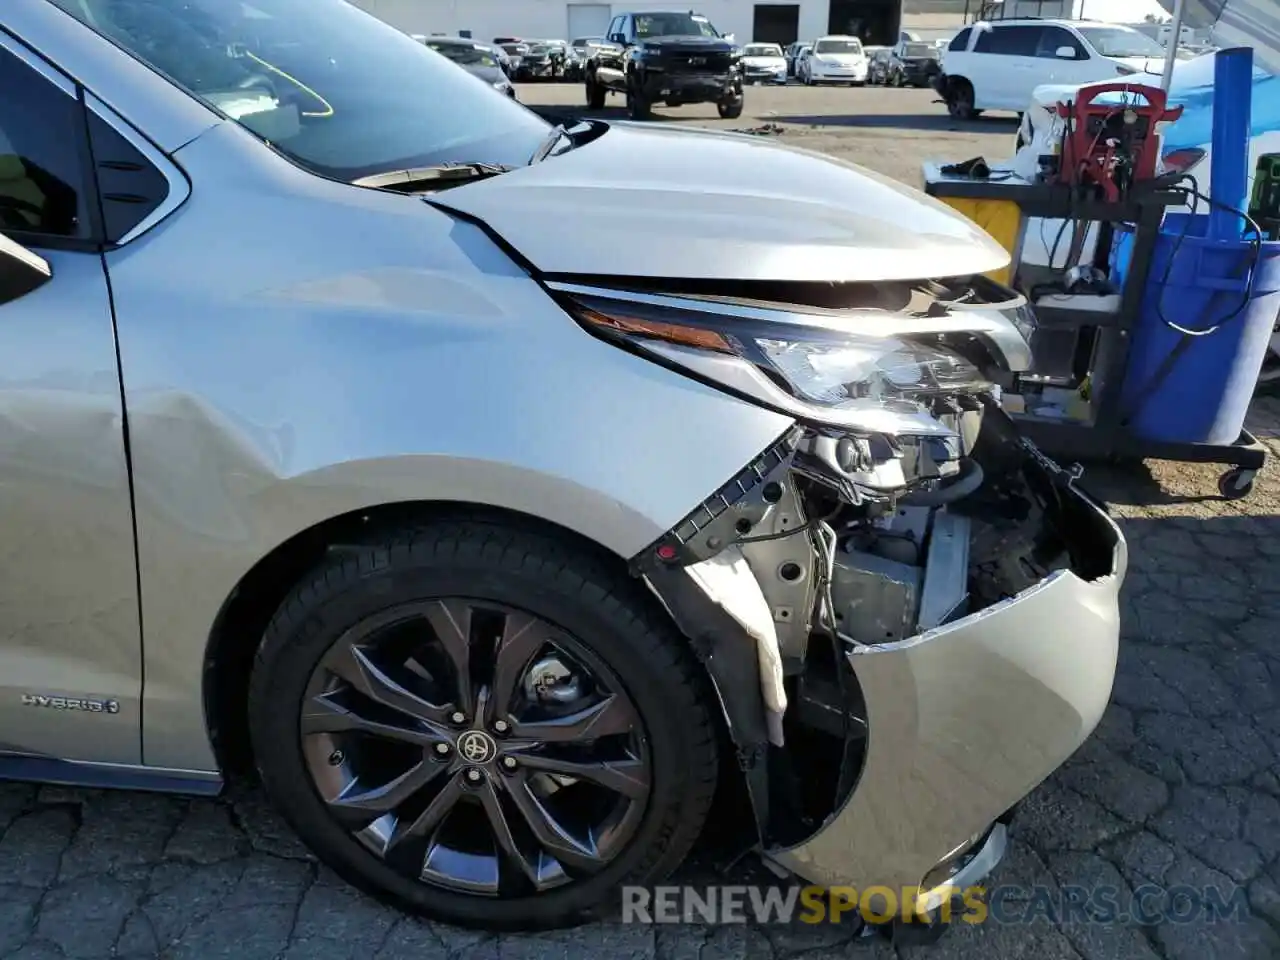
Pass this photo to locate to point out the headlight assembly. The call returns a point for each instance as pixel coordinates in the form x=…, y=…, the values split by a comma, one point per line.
x=863, y=370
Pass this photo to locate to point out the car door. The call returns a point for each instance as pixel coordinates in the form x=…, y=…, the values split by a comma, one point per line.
x=1007, y=66
x=70, y=638
x=1057, y=69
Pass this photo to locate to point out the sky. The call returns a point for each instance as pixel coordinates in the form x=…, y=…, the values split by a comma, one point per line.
x=1123, y=11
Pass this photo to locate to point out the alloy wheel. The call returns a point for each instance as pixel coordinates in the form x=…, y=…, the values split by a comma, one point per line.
x=476, y=747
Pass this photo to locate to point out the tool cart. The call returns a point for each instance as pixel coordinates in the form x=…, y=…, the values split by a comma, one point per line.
x=1149, y=342
x=1075, y=405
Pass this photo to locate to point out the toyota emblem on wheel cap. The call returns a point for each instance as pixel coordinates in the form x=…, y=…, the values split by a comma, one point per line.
x=476, y=746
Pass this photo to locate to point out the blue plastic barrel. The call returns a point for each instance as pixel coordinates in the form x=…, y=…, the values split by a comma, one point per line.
x=1205, y=393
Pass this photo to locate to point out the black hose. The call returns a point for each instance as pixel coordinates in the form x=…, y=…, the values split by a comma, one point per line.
x=968, y=482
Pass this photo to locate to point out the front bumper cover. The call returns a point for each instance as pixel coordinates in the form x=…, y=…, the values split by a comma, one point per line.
x=962, y=721
x=691, y=88
x=836, y=74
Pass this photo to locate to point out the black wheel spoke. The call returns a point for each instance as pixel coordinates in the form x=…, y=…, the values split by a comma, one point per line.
x=627, y=777
x=351, y=663
x=358, y=807
x=549, y=832
x=522, y=637
x=451, y=622
x=432, y=816
x=323, y=714
x=611, y=716
x=533, y=866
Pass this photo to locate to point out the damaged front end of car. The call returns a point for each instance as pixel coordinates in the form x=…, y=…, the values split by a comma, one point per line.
x=910, y=615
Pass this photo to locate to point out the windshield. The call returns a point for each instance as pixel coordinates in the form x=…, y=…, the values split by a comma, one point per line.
x=464, y=53
x=1119, y=42
x=838, y=46
x=334, y=89
x=515, y=49
x=920, y=51
x=538, y=49
x=762, y=50
x=673, y=25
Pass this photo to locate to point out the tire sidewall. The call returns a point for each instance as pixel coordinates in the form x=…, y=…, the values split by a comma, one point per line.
x=290, y=656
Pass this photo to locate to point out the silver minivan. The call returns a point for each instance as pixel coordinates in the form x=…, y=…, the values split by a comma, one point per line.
x=495, y=550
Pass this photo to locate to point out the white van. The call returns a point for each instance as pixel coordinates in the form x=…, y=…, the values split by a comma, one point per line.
x=997, y=65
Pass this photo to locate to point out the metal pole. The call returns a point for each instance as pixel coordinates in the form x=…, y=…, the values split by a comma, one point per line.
x=1175, y=37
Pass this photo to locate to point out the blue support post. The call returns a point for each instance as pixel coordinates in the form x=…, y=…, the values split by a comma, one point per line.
x=1232, y=124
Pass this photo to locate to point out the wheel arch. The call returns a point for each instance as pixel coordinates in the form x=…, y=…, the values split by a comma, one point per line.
x=243, y=617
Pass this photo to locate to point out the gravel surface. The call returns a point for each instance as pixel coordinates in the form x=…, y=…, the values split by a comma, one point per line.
x=1180, y=785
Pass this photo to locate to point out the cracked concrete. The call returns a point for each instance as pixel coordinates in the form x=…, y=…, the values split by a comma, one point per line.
x=1179, y=787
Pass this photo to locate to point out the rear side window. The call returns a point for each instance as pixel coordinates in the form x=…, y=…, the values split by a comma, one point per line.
x=961, y=40
x=1009, y=41
x=42, y=171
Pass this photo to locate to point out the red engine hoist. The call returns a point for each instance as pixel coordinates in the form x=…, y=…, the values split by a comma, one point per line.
x=1113, y=145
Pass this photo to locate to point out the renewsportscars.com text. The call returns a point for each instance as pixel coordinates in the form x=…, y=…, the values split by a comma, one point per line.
x=1146, y=905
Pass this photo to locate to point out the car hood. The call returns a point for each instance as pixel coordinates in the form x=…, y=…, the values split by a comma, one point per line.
x=696, y=44
x=765, y=61
x=645, y=201
x=1150, y=65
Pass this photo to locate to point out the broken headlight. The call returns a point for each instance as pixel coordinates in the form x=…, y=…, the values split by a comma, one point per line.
x=856, y=372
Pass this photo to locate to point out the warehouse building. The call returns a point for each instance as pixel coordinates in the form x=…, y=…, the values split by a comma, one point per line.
x=875, y=21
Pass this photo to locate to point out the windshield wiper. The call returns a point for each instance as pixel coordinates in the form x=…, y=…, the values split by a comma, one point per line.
x=558, y=133
x=442, y=174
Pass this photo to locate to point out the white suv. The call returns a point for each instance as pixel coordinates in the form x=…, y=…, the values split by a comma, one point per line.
x=996, y=66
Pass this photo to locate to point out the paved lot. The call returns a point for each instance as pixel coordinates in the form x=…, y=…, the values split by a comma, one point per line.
x=1180, y=786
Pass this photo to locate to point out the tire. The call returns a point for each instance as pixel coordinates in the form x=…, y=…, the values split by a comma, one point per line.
x=1236, y=484
x=960, y=100
x=731, y=109
x=638, y=108
x=596, y=614
x=595, y=93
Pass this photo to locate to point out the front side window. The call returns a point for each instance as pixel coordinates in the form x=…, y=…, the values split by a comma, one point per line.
x=673, y=25
x=1052, y=39
x=42, y=179
x=331, y=87
x=961, y=40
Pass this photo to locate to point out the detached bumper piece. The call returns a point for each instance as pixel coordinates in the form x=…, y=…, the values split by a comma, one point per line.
x=973, y=619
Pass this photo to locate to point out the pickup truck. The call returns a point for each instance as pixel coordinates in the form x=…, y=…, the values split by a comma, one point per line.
x=669, y=58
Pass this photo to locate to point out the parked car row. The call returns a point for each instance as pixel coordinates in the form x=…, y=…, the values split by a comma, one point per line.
x=520, y=60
